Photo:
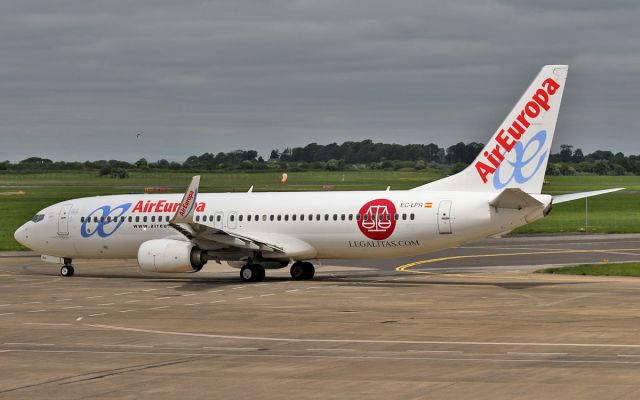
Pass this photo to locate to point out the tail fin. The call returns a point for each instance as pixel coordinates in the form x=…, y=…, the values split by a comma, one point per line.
x=517, y=154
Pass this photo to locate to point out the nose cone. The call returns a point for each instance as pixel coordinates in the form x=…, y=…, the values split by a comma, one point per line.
x=22, y=235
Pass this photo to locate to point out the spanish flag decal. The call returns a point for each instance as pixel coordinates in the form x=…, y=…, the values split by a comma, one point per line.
x=428, y=205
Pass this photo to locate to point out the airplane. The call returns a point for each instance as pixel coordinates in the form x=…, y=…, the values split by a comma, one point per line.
x=170, y=233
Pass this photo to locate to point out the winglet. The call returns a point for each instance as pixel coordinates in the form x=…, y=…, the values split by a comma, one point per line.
x=184, y=214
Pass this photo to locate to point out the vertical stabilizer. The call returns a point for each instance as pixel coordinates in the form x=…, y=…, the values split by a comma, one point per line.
x=517, y=154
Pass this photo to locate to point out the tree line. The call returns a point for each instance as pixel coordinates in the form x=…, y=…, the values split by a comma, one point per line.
x=350, y=155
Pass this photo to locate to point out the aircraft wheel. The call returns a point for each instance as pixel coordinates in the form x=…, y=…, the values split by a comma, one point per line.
x=67, y=270
x=297, y=271
x=260, y=273
x=309, y=270
x=252, y=273
x=247, y=273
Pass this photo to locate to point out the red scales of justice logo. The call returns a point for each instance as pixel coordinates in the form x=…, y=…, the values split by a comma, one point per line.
x=377, y=220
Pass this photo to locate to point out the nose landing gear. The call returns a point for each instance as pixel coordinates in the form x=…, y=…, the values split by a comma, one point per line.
x=67, y=268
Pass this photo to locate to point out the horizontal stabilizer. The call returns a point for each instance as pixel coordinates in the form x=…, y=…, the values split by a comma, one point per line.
x=575, y=196
x=515, y=199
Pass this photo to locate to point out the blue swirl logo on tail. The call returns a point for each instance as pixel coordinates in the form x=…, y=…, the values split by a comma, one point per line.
x=108, y=221
x=538, y=155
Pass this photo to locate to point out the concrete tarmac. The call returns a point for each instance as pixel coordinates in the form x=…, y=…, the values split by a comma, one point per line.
x=468, y=322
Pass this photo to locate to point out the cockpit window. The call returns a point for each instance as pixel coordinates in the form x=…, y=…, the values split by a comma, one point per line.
x=38, y=218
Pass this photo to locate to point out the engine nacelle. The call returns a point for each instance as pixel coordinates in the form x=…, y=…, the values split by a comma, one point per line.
x=167, y=255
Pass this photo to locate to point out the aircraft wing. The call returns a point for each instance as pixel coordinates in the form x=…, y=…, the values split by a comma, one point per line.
x=575, y=196
x=209, y=236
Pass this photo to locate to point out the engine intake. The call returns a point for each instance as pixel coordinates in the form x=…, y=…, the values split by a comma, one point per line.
x=167, y=255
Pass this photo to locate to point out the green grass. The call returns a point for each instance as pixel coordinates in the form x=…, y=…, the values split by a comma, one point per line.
x=616, y=269
x=611, y=213
x=617, y=212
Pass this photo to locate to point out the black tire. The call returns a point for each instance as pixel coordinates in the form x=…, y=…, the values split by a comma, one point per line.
x=67, y=270
x=260, y=273
x=309, y=270
x=297, y=271
x=247, y=273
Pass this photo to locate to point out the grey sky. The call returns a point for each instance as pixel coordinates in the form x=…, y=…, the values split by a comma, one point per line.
x=80, y=78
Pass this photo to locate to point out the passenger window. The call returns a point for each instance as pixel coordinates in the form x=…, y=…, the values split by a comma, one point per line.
x=257, y=217
x=335, y=217
x=240, y=218
x=412, y=216
x=366, y=217
x=301, y=217
x=350, y=217
x=101, y=219
x=167, y=218
x=264, y=217
x=81, y=219
x=138, y=219
x=197, y=218
x=342, y=217
x=144, y=219
x=317, y=217
x=397, y=217
x=153, y=218
x=95, y=219
x=232, y=217
x=404, y=217
x=271, y=217
x=130, y=218
x=358, y=217
x=249, y=217
x=326, y=217
x=293, y=217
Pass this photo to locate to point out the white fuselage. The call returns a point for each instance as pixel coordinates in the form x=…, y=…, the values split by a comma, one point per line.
x=313, y=225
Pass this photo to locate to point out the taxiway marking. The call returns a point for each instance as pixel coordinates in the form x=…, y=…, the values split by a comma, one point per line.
x=406, y=267
x=326, y=356
x=362, y=341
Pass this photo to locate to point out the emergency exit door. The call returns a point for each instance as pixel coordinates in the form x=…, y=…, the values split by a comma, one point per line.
x=444, y=217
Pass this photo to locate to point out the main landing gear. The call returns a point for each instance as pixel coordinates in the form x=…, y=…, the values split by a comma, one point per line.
x=67, y=268
x=252, y=273
x=302, y=270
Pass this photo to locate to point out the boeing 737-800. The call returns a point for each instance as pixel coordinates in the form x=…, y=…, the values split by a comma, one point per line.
x=498, y=192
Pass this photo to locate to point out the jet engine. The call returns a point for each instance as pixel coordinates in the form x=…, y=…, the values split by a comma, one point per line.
x=167, y=255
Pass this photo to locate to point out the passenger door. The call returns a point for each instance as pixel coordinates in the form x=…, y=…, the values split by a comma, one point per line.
x=63, y=220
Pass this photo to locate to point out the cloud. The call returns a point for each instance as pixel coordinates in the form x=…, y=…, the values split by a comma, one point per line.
x=79, y=79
